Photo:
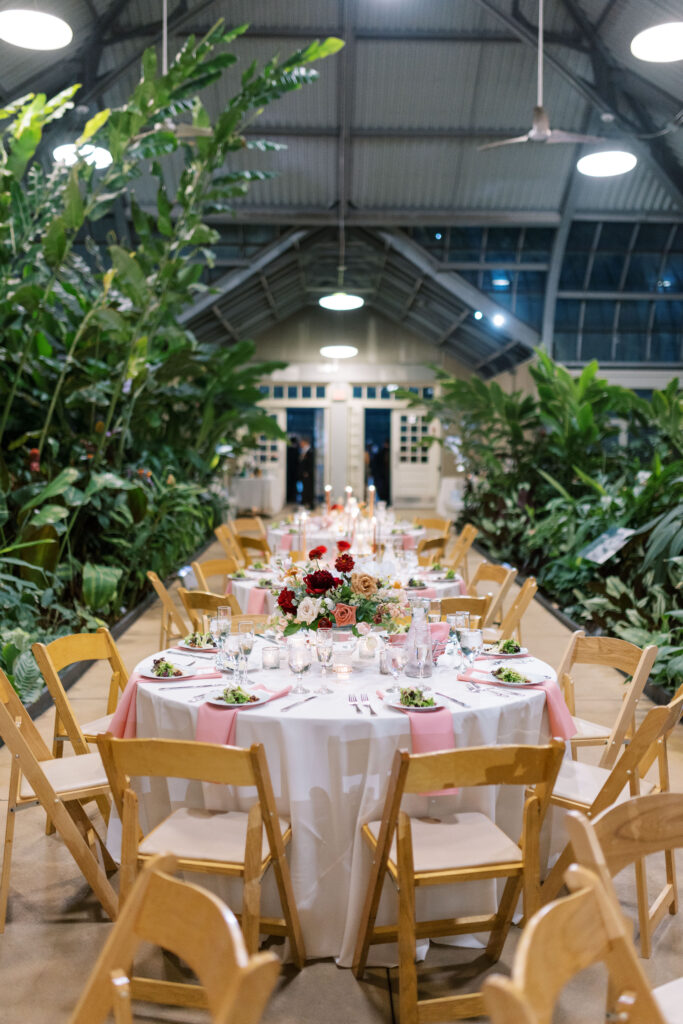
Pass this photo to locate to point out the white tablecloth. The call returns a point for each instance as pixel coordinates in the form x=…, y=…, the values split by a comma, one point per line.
x=317, y=535
x=242, y=590
x=329, y=767
x=260, y=493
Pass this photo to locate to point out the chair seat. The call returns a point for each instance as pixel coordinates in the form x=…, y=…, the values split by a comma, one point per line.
x=582, y=782
x=589, y=730
x=65, y=774
x=97, y=726
x=470, y=840
x=669, y=999
x=194, y=834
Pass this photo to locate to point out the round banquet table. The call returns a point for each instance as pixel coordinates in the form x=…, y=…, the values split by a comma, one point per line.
x=330, y=766
x=288, y=536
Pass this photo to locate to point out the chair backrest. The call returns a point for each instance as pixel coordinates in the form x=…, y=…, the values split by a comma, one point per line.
x=513, y=617
x=430, y=549
x=173, y=626
x=562, y=939
x=198, y=603
x=487, y=572
x=203, y=571
x=248, y=524
x=194, y=925
x=228, y=542
x=67, y=650
x=250, y=544
x=462, y=545
x=476, y=606
x=18, y=731
x=626, y=832
x=437, y=523
x=609, y=652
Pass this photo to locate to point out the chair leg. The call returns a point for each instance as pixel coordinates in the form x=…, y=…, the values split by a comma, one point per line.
x=407, y=969
x=643, y=909
x=129, y=845
x=670, y=862
x=499, y=932
x=555, y=879
x=251, y=894
x=9, y=840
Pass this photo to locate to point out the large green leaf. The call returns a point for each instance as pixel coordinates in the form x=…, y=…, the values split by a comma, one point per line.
x=58, y=486
x=99, y=585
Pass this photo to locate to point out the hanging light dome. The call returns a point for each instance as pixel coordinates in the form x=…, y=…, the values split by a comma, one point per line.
x=339, y=351
x=607, y=163
x=96, y=156
x=659, y=44
x=34, y=30
x=341, y=301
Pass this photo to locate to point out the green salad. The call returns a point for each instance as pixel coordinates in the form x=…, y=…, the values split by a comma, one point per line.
x=199, y=640
x=257, y=565
x=508, y=675
x=411, y=698
x=412, y=582
x=164, y=669
x=236, y=695
x=504, y=647
x=450, y=575
x=239, y=575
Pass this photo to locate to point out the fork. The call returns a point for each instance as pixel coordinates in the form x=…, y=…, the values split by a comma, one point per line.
x=364, y=699
x=353, y=699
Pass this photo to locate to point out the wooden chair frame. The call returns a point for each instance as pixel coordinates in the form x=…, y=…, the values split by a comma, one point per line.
x=626, y=834
x=248, y=524
x=201, y=604
x=647, y=746
x=477, y=607
x=457, y=557
x=249, y=544
x=420, y=773
x=511, y=622
x=203, y=571
x=195, y=926
x=173, y=627
x=430, y=550
x=562, y=939
x=488, y=572
x=612, y=653
x=63, y=805
x=442, y=526
x=226, y=538
x=229, y=766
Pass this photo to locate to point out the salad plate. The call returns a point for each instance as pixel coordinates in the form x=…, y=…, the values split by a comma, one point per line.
x=201, y=645
x=500, y=674
x=176, y=676
x=217, y=700
x=493, y=651
x=404, y=707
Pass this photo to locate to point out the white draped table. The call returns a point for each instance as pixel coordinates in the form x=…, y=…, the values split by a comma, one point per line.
x=260, y=493
x=329, y=766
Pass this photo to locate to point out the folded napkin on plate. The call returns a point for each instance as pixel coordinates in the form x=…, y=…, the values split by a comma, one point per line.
x=559, y=717
x=124, y=723
x=256, y=602
x=430, y=731
x=217, y=725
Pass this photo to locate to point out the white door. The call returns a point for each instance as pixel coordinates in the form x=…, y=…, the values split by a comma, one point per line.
x=271, y=457
x=355, y=449
x=414, y=468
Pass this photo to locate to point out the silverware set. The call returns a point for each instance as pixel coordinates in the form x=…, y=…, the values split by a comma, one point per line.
x=359, y=700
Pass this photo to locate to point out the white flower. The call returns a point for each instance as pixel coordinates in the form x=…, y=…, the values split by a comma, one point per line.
x=364, y=628
x=308, y=610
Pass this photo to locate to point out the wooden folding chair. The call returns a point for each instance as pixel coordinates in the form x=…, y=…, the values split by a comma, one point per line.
x=68, y=650
x=248, y=524
x=626, y=834
x=457, y=556
x=487, y=573
x=173, y=627
x=476, y=606
x=249, y=545
x=566, y=937
x=200, y=605
x=228, y=542
x=430, y=550
x=58, y=785
x=591, y=789
x=235, y=843
x=417, y=852
x=193, y=925
x=436, y=523
x=612, y=653
x=511, y=622
x=204, y=571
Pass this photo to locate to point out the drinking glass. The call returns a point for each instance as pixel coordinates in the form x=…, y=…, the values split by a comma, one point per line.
x=324, y=644
x=299, y=660
x=423, y=649
x=246, y=636
x=218, y=627
x=397, y=659
x=227, y=659
x=471, y=643
x=224, y=613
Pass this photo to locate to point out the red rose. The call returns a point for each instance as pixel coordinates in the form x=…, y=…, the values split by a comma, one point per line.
x=343, y=545
x=316, y=553
x=286, y=601
x=320, y=582
x=324, y=624
x=345, y=614
x=344, y=563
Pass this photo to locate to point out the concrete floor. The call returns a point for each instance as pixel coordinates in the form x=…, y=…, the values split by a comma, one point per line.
x=55, y=928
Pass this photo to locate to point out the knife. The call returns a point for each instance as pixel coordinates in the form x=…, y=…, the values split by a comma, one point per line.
x=454, y=699
x=297, y=702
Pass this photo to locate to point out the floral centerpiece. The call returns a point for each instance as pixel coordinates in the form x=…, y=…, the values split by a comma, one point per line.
x=356, y=600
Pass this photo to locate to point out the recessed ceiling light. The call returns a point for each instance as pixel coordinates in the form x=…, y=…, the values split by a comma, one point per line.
x=607, y=163
x=500, y=280
x=478, y=314
x=97, y=156
x=34, y=30
x=660, y=43
x=498, y=319
x=339, y=351
x=341, y=301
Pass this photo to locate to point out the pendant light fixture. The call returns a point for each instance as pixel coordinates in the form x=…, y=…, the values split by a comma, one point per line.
x=341, y=300
x=607, y=163
x=659, y=44
x=34, y=30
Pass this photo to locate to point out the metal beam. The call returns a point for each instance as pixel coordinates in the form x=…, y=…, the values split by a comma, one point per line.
x=225, y=323
x=610, y=296
x=459, y=288
x=229, y=282
x=332, y=131
x=322, y=216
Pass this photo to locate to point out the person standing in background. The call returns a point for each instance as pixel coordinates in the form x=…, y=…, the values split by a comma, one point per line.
x=293, y=459
x=307, y=472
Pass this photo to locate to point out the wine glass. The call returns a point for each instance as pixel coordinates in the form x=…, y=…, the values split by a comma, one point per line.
x=324, y=644
x=397, y=659
x=299, y=660
x=471, y=644
x=227, y=659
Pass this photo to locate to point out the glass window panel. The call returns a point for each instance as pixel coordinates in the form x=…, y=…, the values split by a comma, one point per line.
x=320, y=391
x=465, y=244
x=428, y=392
x=372, y=392
x=567, y=312
x=385, y=393
x=531, y=282
x=306, y=391
x=668, y=316
x=673, y=272
x=292, y=391
x=413, y=391
x=665, y=348
x=357, y=391
x=565, y=347
x=652, y=237
x=596, y=346
x=581, y=236
x=643, y=272
x=573, y=270
x=278, y=391
x=264, y=389
x=502, y=243
x=606, y=271
x=537, y=243
x=634, y=316
x=615, y=237
x=630, y=347
x=530, y=309
x=599, y=315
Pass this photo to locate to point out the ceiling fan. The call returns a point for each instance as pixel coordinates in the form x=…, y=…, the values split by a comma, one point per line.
x=540, y=127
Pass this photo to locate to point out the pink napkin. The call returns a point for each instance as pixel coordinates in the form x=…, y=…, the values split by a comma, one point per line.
x=218, y=725
x=256, y=602
x=430, y=731
x=228, y=587
x=439, y=631
x=124, y=723
x=408, y=541
x=286, y=542
x=559, y=717
x=429, y=592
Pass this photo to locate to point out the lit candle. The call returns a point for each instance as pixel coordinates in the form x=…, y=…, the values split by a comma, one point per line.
x=303, y=533
x=371, y=492
x=374, y=534
x=328, y=496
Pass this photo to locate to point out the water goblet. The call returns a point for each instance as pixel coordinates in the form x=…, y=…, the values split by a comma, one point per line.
x=299, y=660
x=423, y=649
x=471, y=644
x=397, y=659
x=324, y=644
x=227, y=659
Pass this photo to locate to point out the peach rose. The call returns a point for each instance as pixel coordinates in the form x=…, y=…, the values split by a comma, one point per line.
x=345, y=615
x=364, y=584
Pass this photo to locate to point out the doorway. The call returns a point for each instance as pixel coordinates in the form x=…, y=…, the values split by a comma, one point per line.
x=305, y=455
x=378, y=451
